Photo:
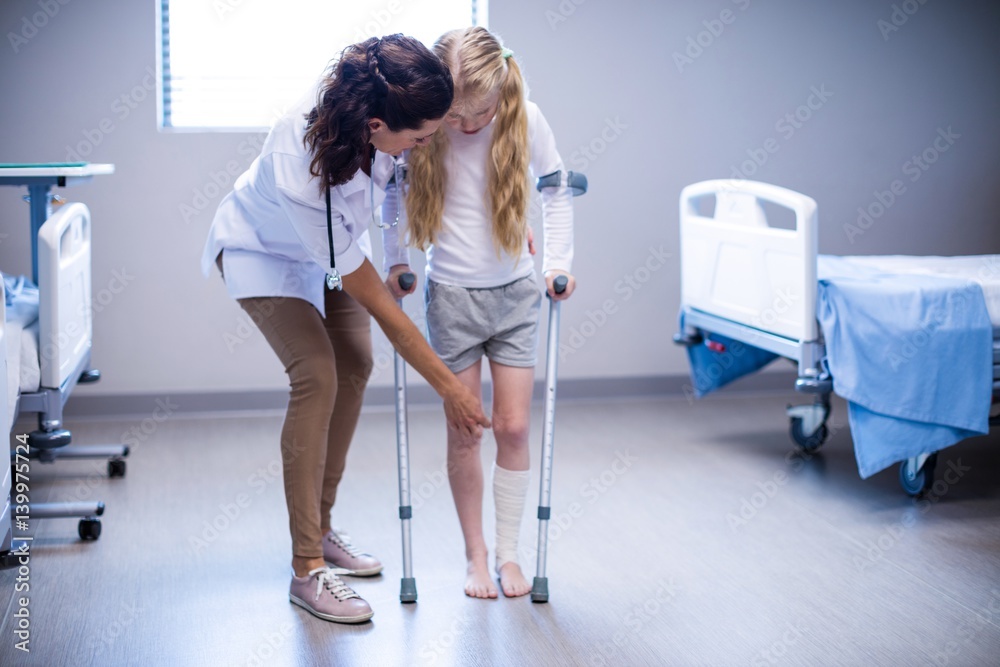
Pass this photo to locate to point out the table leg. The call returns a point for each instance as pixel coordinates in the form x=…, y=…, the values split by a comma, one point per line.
x=41, y=208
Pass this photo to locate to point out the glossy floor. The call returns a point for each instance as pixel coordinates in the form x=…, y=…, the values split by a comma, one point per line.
x=683, y=534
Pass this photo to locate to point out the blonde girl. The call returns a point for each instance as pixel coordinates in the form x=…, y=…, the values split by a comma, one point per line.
x=466, y=205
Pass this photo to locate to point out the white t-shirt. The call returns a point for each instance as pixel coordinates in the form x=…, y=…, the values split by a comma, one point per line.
x=273, y=224
x=464, y=254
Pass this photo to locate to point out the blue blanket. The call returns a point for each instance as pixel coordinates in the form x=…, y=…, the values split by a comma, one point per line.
x=912, y=355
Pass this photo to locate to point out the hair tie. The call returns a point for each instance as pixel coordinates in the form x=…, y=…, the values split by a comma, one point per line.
x=506, y=53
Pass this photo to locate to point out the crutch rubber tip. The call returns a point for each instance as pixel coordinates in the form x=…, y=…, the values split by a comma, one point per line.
x=540, y=589
x=408, y=589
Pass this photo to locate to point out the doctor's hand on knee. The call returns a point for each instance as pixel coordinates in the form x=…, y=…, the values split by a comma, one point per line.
x=464, y=412
x=392, y=282
x=550, y=277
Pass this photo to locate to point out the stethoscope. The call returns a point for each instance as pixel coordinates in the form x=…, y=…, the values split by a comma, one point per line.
x=333, y=279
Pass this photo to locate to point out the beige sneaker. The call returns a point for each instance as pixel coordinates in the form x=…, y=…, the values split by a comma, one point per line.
x=325, y=596
x=341, y=554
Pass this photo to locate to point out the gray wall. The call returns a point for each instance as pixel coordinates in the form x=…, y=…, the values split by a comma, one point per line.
x=627, y=110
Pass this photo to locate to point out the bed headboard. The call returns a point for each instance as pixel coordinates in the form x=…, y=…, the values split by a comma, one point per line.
x=64, y=313
x=734, y=265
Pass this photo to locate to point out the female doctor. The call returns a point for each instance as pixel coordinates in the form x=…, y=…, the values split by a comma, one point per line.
x=293, y=246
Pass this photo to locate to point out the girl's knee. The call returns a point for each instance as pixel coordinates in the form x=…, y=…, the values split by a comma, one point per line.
x=511, y=430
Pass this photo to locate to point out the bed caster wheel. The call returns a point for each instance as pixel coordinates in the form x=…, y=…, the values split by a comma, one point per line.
x=116, y=468
x=808, y=443
x=89, y=528
x=807, y=426
x=917, y=479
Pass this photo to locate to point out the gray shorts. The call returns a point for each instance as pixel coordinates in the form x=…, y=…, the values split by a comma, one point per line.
x=501, y=322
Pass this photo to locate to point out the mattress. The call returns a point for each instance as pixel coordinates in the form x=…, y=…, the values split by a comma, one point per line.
x=21, y=331
x=981, y=269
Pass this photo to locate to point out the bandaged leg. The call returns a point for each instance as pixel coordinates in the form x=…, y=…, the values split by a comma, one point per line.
x=510, y=487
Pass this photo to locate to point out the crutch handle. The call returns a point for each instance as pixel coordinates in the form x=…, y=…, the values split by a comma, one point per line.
x=406, y=280
x=574, y=180
x=559, y=284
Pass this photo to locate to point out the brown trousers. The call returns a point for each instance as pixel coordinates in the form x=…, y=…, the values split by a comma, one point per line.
x=328, y=361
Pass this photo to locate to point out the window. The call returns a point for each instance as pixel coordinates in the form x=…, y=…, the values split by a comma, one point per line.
x=239, y=63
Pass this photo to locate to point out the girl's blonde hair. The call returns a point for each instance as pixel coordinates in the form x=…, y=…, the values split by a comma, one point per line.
x=480, y=67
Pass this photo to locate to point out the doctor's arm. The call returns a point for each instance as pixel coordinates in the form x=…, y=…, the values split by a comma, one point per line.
x=461, y=408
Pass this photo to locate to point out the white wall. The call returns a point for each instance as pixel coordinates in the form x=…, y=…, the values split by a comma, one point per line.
x=624, y=111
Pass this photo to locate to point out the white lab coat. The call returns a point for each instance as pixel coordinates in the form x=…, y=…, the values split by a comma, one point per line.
x=273, y=224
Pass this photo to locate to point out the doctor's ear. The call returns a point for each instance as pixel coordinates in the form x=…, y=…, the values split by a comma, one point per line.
x=376, y=125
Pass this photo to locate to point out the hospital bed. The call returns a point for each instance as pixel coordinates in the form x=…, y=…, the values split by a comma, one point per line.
x=6, y=526
x=47, y=334
x=912, y=343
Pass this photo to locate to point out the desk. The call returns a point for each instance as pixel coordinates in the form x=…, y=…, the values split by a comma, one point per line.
x=39, y=179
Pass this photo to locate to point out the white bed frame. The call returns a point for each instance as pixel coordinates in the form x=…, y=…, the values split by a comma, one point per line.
x=742, y=278
x=750, y=281
x=65, y=332
x=64, y=314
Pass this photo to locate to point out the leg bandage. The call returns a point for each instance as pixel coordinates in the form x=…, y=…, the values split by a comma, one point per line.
x=510, y=487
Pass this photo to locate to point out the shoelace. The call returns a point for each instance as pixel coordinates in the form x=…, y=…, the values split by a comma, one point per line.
x=341, y=540
x=325, y=578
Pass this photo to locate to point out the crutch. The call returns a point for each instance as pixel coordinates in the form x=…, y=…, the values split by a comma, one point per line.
x=577, y=183
x=408, y=584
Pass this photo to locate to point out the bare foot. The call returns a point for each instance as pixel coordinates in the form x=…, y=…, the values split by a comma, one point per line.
x=512, y=581
x=478, y=583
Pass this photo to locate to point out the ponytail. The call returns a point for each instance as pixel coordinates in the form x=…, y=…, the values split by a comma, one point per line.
x=507, y=172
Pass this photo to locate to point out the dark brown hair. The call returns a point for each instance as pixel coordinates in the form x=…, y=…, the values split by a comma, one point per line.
x=394, y=78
